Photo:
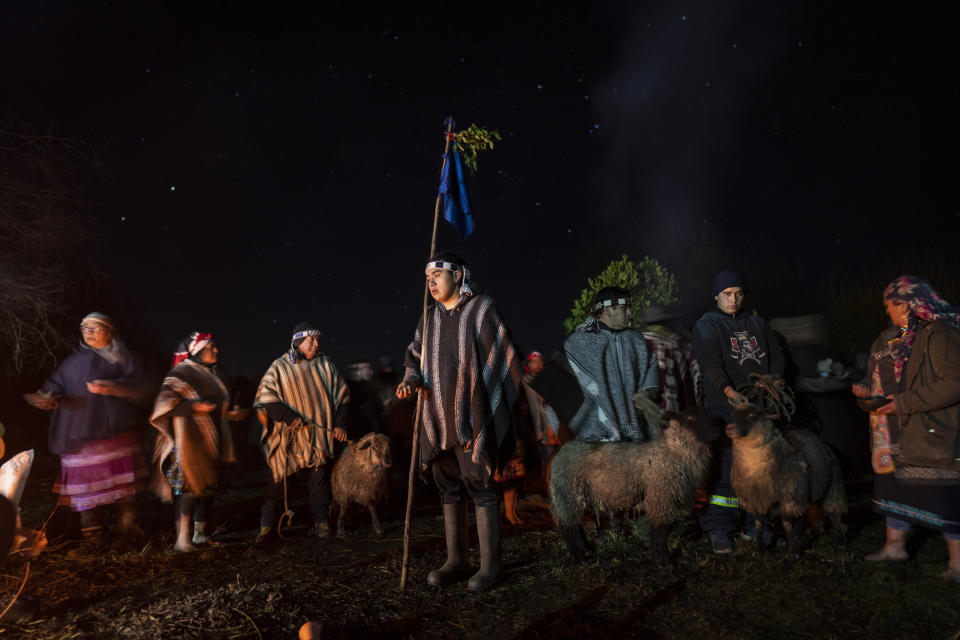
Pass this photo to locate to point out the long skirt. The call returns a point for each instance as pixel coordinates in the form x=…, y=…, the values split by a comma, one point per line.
x=101, y=472
x=934, y=505
x=178, y=479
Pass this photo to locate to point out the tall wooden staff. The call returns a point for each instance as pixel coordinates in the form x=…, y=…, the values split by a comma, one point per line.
x=468, y=142
x=415, y=449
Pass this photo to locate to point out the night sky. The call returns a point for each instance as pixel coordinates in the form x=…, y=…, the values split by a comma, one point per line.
x=267, y=163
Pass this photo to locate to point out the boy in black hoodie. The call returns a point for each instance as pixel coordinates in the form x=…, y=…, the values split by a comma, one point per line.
x=729, y=345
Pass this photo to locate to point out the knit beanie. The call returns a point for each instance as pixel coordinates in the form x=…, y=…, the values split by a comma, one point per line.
x=727, y=279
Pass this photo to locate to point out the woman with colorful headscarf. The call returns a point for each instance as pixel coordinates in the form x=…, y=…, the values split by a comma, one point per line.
x=94, y=428
x=194, y=438
x=915, y=367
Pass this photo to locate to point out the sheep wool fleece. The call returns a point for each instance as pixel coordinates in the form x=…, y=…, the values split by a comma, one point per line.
x=472, y=371
x=611, y=366
x=315, y=390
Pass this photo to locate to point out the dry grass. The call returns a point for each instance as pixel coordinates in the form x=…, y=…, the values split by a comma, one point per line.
x=352, y=587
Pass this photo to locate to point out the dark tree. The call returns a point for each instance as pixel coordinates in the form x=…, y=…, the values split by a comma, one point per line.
x=44, y=269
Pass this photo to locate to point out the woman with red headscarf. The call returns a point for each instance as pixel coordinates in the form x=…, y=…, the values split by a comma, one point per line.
x=914, y=377
x=191, y=415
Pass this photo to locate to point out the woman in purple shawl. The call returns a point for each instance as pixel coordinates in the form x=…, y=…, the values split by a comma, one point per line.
x=914, y=375
x=94, y=428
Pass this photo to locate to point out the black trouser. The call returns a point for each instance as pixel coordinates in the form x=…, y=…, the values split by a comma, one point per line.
x=318, y=488
x=454, y=472
x=721, y=514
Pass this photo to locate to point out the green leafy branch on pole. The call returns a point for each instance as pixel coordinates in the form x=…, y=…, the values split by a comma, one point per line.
x=472, y=140
x=648, y=282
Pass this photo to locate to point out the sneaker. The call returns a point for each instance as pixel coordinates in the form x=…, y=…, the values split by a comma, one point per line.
x=320, y=530
x=721, y=544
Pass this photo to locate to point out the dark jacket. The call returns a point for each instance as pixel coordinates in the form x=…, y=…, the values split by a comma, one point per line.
x=929, y=409
x=83, y=416
x=730, y=348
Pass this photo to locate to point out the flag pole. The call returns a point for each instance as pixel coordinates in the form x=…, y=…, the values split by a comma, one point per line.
x=415, y=448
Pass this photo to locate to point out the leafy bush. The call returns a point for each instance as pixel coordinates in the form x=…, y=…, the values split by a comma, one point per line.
x=647, y=280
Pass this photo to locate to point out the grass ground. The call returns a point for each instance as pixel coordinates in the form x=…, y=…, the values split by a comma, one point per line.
x=351, y=586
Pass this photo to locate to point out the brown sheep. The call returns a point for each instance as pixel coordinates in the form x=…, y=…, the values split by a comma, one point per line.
x=360, y=476
x=661, y=477
x=783, y=474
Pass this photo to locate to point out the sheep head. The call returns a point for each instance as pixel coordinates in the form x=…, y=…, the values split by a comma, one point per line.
x=696, y=421
x=373, y=450
x=751, y=424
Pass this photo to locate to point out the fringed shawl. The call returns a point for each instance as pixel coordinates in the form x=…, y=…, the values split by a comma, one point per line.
x=314, y=389
x=203, y=440
x=484, y=381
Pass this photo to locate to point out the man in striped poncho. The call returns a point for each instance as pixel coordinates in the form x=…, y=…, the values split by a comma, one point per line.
x=470, y=376
x=305, y=397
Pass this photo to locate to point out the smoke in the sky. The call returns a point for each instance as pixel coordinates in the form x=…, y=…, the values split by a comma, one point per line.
x=679, y=119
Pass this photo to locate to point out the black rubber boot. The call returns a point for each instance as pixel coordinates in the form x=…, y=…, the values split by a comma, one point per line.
x=456, y=568
x=488, y=530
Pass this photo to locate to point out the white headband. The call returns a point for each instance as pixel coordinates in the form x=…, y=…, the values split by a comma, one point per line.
x=466, y=282
x=610, y=303
x=440, y=264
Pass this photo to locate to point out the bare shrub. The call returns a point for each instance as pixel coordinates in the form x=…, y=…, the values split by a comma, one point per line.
x=43, y=267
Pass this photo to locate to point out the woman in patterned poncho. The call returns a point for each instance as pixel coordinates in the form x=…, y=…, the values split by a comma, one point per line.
x=194, y=437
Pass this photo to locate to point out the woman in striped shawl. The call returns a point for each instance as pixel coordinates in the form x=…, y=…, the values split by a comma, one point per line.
x=471, y=373
x=305, y=396
x=191, y=416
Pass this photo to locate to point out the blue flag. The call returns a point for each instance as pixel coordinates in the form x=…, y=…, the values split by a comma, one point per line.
x=456, y=202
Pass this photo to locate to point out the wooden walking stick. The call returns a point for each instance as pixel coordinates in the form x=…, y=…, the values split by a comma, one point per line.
x=415, y=448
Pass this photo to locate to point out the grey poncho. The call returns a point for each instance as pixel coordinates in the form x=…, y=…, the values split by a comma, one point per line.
x=611, y=366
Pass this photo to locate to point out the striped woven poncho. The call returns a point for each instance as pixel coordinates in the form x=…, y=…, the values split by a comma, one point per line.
x=472, y=376
x=314, y=389
x=202, y=440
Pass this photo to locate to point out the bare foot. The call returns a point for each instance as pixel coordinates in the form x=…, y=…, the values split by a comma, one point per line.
x=887, y=555
x=185, y=547
x=952, y=574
